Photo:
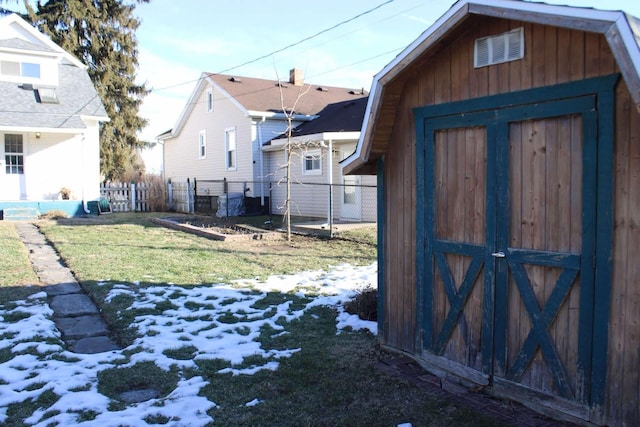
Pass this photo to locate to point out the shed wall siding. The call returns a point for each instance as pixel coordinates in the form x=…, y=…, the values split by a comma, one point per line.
x=552, y=56
x=623, y=376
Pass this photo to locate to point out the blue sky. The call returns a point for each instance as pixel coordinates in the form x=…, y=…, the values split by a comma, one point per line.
x=178, y=43
x=179, y=40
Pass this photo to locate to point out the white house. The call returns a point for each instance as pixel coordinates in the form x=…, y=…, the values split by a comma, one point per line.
x=317, y=148
x=50, y=115
x=226, y=122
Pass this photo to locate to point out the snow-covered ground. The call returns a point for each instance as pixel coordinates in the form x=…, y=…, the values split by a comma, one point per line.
x=38, y=366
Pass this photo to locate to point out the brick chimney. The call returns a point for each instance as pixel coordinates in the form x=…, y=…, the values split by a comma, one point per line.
x=295, y=77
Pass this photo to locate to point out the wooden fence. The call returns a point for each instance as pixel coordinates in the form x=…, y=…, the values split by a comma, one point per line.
x=148, y=197
x=127, y=197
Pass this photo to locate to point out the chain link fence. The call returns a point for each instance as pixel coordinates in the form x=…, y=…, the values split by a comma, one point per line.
x=325, y=204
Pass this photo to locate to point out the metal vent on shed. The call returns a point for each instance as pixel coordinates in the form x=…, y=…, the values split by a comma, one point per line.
x=497, y=49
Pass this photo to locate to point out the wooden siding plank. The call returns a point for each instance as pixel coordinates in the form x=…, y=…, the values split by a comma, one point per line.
x=591, y=55
x=381, y=220
x=409, y=204
x=563, y=55
x=631, y=378
x=550, y=55
x=623, y=379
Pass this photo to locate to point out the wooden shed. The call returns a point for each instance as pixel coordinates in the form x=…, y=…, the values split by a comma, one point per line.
x=506, y=141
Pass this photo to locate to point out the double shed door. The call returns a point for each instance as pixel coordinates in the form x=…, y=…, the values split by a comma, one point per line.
x=509, y=235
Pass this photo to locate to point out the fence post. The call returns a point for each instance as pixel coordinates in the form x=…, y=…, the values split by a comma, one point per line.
x=225, y=187
x=195, y=194
x=188, y=196
x=170, y=195
x=132, y=194
x=331, y=211
x=270, y=201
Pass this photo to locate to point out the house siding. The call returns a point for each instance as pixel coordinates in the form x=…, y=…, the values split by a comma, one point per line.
x=310, y=192
x=182, y=155
x=552, y=55
x=44, y=177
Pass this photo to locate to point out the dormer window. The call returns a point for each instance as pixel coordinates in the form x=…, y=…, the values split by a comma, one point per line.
x=20, y=69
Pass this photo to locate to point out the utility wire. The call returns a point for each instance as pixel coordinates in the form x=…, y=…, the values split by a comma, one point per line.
x=284, y=48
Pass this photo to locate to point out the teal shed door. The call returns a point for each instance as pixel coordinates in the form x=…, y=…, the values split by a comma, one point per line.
x=507, y=230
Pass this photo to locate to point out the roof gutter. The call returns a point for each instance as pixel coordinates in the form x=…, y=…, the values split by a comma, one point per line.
x=254, y=114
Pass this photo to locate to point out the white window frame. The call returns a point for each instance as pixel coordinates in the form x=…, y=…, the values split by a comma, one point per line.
x=230, y=149
x=202, y=144
x=14, y=160
x=313, y=155
x=209, y=100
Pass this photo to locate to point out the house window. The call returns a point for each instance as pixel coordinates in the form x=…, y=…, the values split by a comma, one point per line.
x=312, y=162
x=30, y=70
x=20, y=69
x=209, y=100
x=202, y=144
x=14, y=155
x=10, y=68
x=230, y=148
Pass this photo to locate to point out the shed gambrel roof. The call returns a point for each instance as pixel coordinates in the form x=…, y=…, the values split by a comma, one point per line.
x=622, y=32
x=261, y=97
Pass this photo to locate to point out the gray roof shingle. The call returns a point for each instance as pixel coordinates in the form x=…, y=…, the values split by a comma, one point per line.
x=76, y=94
x=16, y=43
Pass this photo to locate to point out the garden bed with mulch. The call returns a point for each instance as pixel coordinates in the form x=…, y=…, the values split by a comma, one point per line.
x=215, y=228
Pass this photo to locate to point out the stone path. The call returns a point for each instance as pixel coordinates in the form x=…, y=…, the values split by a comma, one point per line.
x=76, y=316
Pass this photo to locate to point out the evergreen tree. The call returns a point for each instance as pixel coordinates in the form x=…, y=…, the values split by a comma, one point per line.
x=101, y=33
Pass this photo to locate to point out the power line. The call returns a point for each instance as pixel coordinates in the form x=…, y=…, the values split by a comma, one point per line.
x=289, y=46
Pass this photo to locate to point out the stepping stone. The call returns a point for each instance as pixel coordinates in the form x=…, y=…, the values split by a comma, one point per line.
x=73, y=305
x=82, y=326
x=137, y=396
x=63, y=288
x=94, y=345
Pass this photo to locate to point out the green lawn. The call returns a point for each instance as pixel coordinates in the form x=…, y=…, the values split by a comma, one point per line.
x=330, y=379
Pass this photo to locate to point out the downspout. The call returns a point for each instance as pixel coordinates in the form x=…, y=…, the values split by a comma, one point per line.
x=330, y=182
x=84, y=172
x=261, y=160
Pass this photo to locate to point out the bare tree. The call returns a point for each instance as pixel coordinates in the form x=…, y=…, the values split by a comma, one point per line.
x=290, y=145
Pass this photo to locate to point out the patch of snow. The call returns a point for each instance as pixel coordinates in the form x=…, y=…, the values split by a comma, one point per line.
x=218, y=321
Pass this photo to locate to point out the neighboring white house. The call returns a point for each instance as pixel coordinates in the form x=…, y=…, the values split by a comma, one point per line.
x=228, y=119
x=318, y=147
x=50, y=115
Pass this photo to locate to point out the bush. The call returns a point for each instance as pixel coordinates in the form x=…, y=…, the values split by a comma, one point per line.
x=54, y=214
x=156, y=193
x=364, y=304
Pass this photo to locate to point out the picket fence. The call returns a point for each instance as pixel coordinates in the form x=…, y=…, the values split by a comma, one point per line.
x=126, y=196
x=138, y=197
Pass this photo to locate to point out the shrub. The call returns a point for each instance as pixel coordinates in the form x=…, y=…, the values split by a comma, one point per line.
x=364, y=304
x=54, y=214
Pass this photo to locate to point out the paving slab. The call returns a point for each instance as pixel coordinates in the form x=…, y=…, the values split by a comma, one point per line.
x=82, y=326
x=71, y=287
x=93, y=345
x=72, y=305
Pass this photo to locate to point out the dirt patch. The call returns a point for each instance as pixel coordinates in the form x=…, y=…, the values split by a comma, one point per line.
x=216, y=229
